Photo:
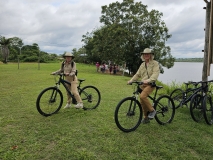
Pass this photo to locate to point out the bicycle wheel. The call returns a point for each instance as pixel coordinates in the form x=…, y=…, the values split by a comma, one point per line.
x=177, y=97
x=196, y=109
x=165, y=109
x=49, y=101
x=208, y=110
x=90, y=96
x=128, y=114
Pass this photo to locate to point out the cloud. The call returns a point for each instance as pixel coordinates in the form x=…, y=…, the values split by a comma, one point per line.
x=58, y=26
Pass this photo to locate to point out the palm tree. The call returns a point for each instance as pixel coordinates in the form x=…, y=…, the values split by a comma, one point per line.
x=4, y=48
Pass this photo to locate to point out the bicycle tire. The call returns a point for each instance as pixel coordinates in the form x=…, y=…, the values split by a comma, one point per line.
x=90, y=96
x=128, y=114
x=177, y=96
x=196, y=108
x=49, y=101
x=165, y=109
x=208, y=109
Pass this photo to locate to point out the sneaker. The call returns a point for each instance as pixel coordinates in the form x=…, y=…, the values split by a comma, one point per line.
x=67, y=106
x=79, y=105
x=152, y=114
x=145, y=121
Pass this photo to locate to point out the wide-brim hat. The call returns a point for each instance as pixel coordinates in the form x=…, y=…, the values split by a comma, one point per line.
x=147, y=51
x=68, y=54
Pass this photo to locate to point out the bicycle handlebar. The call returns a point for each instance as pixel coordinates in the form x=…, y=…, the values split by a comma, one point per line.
x=136, y=82
x=140, y=83
x=201, y=82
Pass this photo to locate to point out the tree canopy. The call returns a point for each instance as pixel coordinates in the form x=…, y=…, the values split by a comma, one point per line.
x=128, y=28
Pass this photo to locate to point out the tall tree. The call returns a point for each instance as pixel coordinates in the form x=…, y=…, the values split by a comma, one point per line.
x=128, y=29
x=5, y=43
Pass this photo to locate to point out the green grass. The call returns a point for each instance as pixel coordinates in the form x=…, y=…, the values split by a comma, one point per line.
x=78, y=134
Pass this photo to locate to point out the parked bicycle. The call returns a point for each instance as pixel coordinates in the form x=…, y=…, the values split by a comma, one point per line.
x=128, y=113
x=201, y=104
x=50, y=100
x=183, y=97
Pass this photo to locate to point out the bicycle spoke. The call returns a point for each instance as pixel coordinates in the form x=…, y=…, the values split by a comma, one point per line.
x=208, y=110
x=196, y=109
x=165, y=109
x=90, y=96
x=49, y=101
x=128, y=114
x=177, y=96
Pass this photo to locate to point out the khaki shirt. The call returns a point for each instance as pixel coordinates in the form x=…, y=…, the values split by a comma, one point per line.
x=67, y=68
x=151, y=73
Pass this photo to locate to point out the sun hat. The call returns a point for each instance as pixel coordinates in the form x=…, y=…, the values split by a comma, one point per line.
x=147, y=50
x=68, y=54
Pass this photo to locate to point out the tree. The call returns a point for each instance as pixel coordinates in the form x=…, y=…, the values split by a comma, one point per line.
x=6, y=43
x=128, y=28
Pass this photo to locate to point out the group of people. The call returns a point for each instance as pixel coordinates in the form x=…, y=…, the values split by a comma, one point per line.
x=148, y=72
x=104, y=68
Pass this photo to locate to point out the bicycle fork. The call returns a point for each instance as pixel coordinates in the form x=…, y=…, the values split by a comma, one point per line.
x=132, y=106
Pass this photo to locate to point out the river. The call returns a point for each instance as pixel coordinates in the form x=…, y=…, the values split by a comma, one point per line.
x=183, y=72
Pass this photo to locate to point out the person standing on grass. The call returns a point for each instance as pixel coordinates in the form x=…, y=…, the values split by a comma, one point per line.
x=148, y=72
x=110, y=68
x=114, y=69
x=97, y=66
x=68, y=68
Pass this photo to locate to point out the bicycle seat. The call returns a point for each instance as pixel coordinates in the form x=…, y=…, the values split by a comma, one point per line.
x=81, y=80
x=158, y=87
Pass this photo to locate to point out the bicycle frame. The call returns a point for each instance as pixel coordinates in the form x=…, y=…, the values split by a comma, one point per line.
x=65, y=83
x=194, y=90
x=152, y=98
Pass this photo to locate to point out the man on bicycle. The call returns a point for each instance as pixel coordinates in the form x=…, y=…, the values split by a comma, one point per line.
x=69, y=71
x=148, y=72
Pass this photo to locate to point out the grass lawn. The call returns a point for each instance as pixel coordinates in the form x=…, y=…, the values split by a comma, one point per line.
x=87, y=135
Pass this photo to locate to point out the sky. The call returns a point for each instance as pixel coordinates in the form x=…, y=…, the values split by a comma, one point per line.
x=58, y=25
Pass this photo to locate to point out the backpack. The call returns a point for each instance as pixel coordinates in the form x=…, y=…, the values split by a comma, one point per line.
x=72, y=64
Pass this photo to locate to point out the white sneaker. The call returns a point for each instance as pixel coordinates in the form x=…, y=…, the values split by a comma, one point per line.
x=79, y=105
x=67, y=106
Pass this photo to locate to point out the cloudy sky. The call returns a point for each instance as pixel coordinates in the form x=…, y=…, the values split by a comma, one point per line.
x=58, y=25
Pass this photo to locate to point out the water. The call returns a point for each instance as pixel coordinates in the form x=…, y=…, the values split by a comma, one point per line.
x=184, y=72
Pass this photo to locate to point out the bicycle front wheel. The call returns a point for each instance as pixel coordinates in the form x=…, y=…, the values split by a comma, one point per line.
x=165, y=110
x=90, y=96
x=196, y=108
x=128, y=114
x=177, y=97
x=49, y=101
x=208, y=110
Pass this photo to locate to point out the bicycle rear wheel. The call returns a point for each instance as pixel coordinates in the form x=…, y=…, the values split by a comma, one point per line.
x=128, y=114
x=49, y=101
x=90, y=96
x=165, y=110
x=196, y=108
x=208, y=110
x=177, y=96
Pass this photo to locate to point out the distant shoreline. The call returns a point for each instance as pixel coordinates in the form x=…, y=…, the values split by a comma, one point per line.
x=188, y=59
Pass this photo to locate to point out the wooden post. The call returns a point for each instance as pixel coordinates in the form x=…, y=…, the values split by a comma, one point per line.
x=205, y=60
x=210, y=36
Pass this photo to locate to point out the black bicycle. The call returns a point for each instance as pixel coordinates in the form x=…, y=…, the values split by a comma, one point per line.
x=50, y=100
x=183, y=97
x=128, y=113
x=201, y=104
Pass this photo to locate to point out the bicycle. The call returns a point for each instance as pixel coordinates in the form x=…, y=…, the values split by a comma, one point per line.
x=201, y=104
x=50, y=100
x=128, y=113
x=182, y=97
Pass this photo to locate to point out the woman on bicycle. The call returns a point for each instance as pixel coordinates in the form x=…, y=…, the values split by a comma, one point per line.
x=148, y=72
x=68, y=67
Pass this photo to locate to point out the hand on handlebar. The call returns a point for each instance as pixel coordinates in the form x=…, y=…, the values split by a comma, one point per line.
x=129, y=82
